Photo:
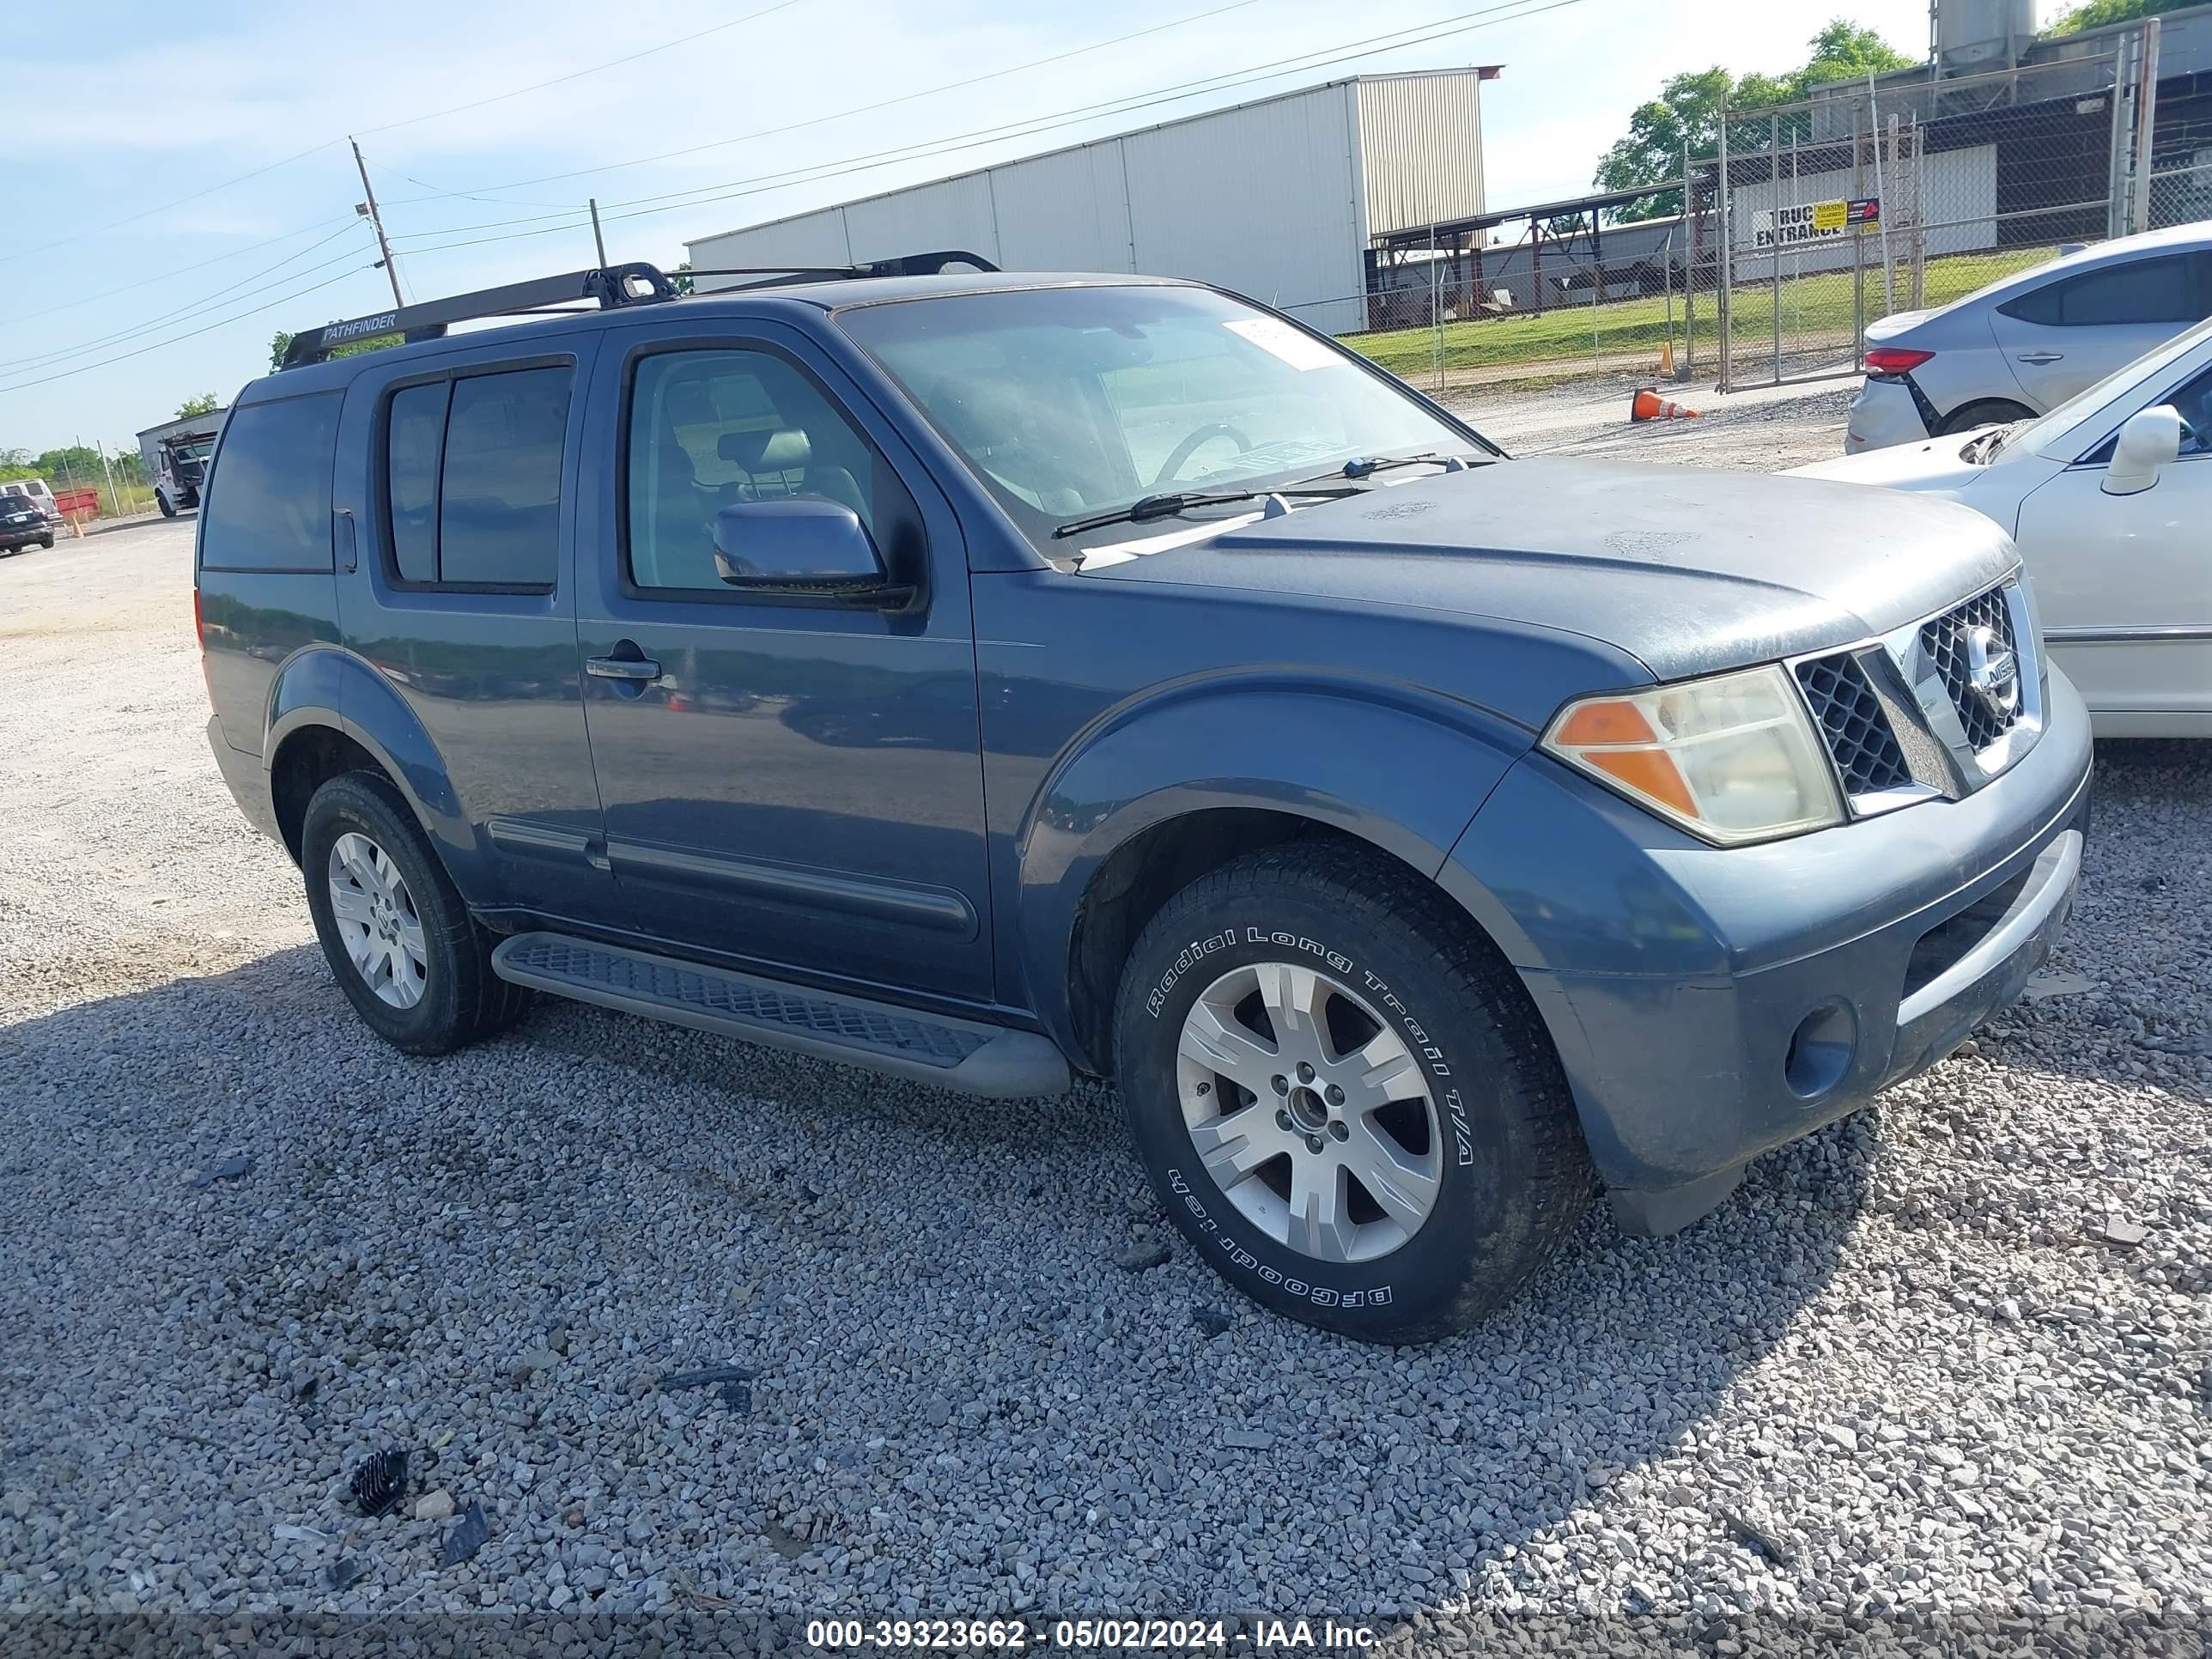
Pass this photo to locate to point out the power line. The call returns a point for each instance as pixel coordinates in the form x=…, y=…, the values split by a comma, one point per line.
x=158, y=345
x=190, y=308
x=329, y=143
x=577, y=75
x=867, y=109
x=148, y=213
x=181, y=271
x=1319, y=58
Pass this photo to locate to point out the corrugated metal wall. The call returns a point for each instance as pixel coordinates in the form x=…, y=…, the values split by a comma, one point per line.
x=1421, y=139
x=1268, y=197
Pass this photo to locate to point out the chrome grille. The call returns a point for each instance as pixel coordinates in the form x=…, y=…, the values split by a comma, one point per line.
x=1868, y=757
x=1944, y=639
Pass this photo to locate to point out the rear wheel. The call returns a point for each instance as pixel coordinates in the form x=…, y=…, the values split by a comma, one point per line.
x=1990, y=412
x=1343, y=1096
x=408, y=956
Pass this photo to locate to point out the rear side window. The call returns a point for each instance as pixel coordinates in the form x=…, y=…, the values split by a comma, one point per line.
x=2177, y=288
x=472, y=477
x=269, y=501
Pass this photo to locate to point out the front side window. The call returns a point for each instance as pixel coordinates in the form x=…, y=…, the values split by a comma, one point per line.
x=1069, y=402
x=473, y=478
x=268, y=502
x=708, y=429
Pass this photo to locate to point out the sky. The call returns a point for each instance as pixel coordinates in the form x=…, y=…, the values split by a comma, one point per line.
x=175, y=195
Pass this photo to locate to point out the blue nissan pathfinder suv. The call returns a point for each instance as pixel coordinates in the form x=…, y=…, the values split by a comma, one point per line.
x=988, y=678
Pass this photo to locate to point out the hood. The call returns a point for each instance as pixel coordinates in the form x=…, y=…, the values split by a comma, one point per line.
x=1689, y=571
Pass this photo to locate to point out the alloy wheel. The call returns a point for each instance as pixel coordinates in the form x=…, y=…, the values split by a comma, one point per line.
x=377, y=920
x=1310, y=1111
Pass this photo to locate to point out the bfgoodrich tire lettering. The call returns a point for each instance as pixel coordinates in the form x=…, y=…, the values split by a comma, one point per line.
x=459, y=997
x=1511, y=1175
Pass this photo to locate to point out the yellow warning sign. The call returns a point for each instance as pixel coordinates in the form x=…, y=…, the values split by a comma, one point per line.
x=1830, y=216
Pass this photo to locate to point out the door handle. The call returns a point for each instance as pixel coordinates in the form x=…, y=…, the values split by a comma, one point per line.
x=637, y=671
x=2041, y=357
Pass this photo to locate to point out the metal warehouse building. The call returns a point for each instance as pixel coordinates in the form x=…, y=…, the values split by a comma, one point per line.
x=1278, y=198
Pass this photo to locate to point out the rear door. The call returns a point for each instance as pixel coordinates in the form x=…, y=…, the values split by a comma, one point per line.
x=465, y=601
x=800, y=781
x=2063, y=337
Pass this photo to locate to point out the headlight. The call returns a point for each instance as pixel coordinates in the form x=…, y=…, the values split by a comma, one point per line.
x=1733, y=759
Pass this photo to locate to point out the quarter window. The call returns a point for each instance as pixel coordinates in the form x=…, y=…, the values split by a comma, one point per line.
x=708, y=429
x=269, y=501
x=473, y=471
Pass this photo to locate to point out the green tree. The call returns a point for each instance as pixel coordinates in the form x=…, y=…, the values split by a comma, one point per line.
x=281, y=341
x=1687, y=112
x=2097, y=13
x=206, y=403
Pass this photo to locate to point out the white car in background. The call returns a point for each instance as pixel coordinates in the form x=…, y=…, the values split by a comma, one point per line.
x=2109, y=498
x=2026, y=343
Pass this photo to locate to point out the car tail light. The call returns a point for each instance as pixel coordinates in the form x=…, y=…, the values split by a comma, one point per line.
x=1895, y=360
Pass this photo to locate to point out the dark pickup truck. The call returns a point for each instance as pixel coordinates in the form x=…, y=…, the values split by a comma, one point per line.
x=988, y=678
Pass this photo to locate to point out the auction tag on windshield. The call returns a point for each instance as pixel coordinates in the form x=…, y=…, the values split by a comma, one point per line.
x=1278, y=338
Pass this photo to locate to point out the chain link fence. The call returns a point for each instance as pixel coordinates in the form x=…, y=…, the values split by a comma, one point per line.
x=1769, y=260
x=1874, y=200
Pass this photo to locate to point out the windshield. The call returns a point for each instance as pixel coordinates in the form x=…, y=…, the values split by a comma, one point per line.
x=1071, y=403
x=2052, y=436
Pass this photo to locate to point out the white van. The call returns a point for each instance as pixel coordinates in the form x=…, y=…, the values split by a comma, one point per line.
x=37, y=490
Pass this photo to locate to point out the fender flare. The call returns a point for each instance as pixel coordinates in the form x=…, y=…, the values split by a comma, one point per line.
x=327, y=686
x=1400, y=768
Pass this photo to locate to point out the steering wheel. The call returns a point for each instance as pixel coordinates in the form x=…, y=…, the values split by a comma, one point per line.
x=1189, y=447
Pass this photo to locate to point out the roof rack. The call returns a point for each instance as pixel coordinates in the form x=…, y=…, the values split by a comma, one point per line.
x=906, y=264
x=615, y=285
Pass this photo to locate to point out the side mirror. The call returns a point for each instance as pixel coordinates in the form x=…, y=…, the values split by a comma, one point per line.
x=2151, y=438
x=800, y=544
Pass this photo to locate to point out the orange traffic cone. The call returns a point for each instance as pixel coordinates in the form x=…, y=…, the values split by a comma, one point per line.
x=1666, y=360
x=1648, y=405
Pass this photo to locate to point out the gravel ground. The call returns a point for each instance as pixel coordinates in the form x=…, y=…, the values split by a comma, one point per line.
x=1911, y=1365
x=1762, y=430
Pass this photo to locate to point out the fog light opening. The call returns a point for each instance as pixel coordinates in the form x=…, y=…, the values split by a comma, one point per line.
x=1820, y=1050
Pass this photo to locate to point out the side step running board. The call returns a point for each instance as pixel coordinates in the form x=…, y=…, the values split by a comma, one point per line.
x=952, y=1053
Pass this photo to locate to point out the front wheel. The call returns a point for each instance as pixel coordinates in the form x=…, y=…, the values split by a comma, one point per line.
x=409, y=957
x=1343, y=1096
x=168, y=508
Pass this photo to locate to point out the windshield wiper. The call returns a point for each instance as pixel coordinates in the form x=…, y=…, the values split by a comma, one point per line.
x=1166, y=507
x=1986, y=448
x=1360, y=466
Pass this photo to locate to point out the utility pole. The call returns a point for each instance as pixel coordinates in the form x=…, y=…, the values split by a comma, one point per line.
x=368, y=211
x=598, y=240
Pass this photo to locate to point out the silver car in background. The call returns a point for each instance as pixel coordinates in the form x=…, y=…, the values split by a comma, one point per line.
x=2024, y=345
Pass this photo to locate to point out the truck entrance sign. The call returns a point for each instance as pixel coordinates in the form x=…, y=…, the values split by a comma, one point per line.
x=1812, y=221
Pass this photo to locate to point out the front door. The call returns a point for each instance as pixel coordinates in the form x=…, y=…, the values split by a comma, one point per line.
x=2124, y=582
x=797, y=782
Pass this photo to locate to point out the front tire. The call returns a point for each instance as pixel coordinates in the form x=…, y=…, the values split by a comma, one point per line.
x=1343, y=1096
x=407, y=954
x=168, y=508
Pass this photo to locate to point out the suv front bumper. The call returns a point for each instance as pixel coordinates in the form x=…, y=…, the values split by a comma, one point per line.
x=1711, y=1003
